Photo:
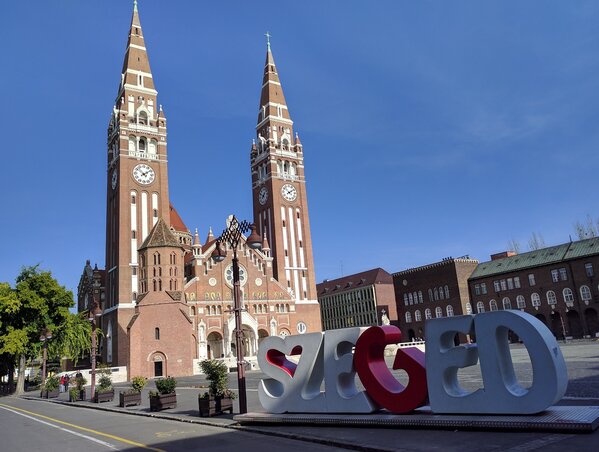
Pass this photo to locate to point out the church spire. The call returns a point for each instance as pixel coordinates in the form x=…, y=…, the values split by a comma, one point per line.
x=136, y=72
x=272, y=100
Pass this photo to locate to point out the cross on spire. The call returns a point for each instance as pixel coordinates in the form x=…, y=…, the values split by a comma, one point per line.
x=134, y=5
x=268, y=36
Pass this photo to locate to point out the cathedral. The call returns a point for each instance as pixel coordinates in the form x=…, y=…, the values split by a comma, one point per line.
x=166, y=305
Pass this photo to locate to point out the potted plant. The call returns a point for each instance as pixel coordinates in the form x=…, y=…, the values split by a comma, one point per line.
x=165, y=397
x=218, y=398
x=78, y=392
x=133, y=396
x=50, y=387
x=104, y=391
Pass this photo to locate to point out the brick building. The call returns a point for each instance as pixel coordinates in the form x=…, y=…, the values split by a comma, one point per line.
x=362, y=299
x=558, y=285
x=166, y=303
x=431, y=291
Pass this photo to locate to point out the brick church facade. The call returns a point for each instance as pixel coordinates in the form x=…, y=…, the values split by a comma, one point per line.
x=165, y=303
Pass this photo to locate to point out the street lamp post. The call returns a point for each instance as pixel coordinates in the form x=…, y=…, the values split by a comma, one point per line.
x=232, y=235
x=45, y=336
x=95, y=311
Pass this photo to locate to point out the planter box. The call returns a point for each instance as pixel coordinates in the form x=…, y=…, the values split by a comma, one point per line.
x=80, y=396
x=129, y=399
x=107, y=396
x=215, y=405
x=163, y=401
x=49, y=394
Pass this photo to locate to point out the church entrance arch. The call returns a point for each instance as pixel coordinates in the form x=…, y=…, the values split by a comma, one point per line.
x=215, y=345
x=261, y=335
x=249, y=326
x=158, y=361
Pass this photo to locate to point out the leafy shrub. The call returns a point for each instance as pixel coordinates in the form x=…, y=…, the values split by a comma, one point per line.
x=80, y=382
x=105, y=380
x=166, y=385
x=216, y=374
x=138, y=383
x=73, y=394
x=52, y=383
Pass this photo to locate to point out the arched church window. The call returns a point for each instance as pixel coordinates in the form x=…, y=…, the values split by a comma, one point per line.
x=153, y=146
x=132, y=142
x=143, y=118
x=157, y=333
x=142, y=144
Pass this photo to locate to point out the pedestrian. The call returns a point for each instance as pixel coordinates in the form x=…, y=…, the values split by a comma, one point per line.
x=66, y=383
x=62, y=384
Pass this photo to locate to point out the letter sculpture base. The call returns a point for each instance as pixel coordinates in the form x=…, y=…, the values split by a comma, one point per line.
x=573, y=419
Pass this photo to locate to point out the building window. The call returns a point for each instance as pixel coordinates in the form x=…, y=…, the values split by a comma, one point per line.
x=503, y=284
x=410, y=299
x=492, y=305
x=480, y=307
x=585, y=293
x=588, y=267
x=436, y=294
x=408, y=317
x=449, y=310
x=468, y=308
x=531, y=279
x=554, y=275
x=430, y=295
x=427, y=314
x=483, y=288
x=418, y=315
x=563, y=275
x=405, y=299
x=496, y=286
x=438, y=312
x=510, y=283
x=521, y=302
x=157, y=334
x=507, y=304
x=447, y=292
x=133, y=234
x=477, y=289
x=535, y=300
x=568, y=295
x=551, y=298
x=420, y=297
x=517, y=282
x=441, y=296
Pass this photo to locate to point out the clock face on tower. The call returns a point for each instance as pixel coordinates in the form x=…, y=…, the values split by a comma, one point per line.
x=143, y=174
x=115, y=178
x=263, y=195
x=289, y=192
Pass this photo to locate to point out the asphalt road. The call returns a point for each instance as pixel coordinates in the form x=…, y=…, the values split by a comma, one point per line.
x=28, y=425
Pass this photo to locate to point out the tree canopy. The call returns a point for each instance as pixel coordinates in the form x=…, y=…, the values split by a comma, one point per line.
x=36, y=302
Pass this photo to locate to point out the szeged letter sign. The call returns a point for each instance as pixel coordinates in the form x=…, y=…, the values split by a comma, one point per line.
x=337, y=355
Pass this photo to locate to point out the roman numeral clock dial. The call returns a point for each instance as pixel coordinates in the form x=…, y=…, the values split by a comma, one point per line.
x=289, y=192
x=143, y=174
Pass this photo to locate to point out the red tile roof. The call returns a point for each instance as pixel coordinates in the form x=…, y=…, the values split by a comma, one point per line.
x=176, y=221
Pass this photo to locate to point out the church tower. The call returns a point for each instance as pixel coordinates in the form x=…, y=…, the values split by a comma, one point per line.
x=279, y=194
x=137, y=188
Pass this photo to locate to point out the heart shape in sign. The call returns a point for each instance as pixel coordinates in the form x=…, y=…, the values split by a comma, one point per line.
x=279, y=359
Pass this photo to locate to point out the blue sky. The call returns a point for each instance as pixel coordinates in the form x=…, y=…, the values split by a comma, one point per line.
x=430, y=128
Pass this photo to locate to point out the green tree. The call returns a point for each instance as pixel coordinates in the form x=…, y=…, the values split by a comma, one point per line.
x=38, y=301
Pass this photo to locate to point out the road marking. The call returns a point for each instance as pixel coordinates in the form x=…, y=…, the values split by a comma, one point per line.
x=85, y=429
x=110, y=446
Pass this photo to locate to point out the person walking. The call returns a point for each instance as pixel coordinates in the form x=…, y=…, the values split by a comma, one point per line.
x=66, y=383
x=62, y=384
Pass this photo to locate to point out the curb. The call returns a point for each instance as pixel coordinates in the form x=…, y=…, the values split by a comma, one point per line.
x=234, y=425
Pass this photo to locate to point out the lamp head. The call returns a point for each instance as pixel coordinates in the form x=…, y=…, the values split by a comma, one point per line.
x=219, y=254
x=254, y=240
